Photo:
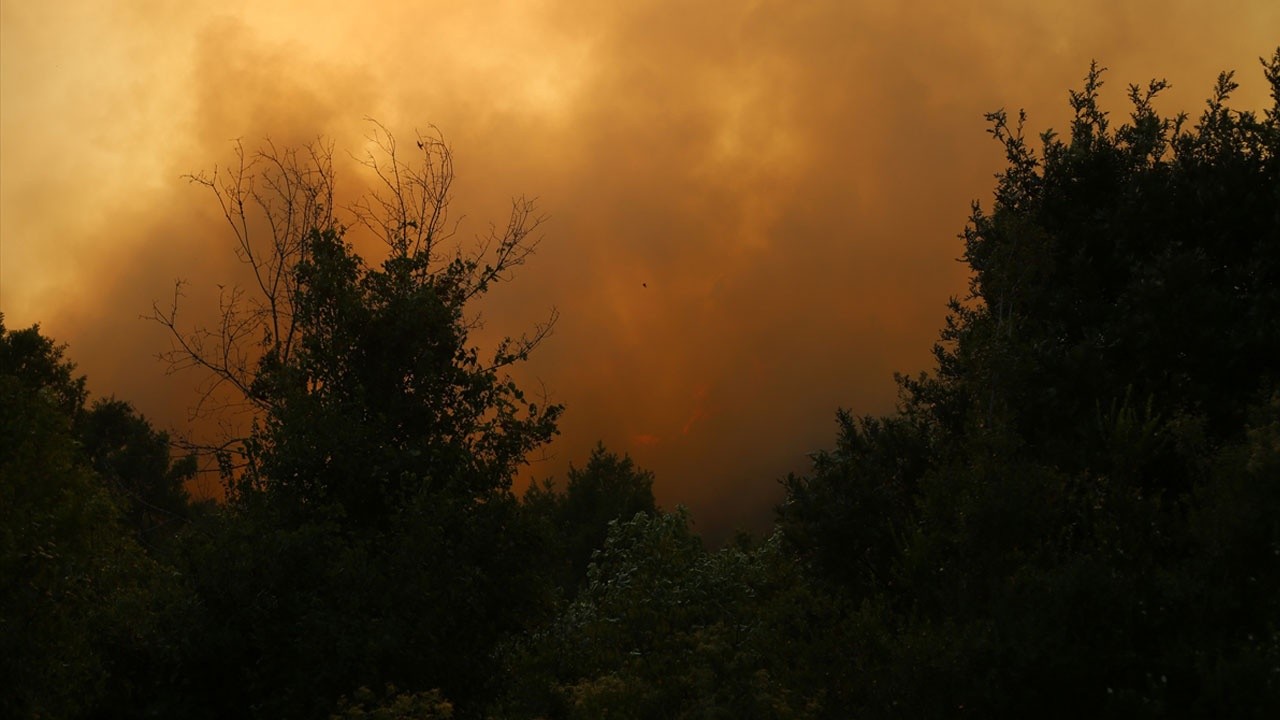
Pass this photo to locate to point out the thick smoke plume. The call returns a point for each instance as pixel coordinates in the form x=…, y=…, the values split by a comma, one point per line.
x=753, y=205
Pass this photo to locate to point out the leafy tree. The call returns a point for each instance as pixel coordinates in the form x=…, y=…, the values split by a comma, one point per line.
x=1131, y=264
x=609, y=488
x=371, y=536
x=1037, y=516
x=123, y=449
x=363, y=383
x=133, y=459
x=382, y=398
x=36, y=364
x=665, y=629
x=88, y=622
x=853, y=517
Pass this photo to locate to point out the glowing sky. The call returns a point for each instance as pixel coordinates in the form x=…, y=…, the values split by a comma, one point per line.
x=787, y=178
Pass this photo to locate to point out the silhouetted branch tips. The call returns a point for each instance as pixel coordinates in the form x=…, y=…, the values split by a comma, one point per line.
x=278, y=201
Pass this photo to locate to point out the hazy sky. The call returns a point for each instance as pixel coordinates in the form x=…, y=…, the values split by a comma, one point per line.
x=787, y=177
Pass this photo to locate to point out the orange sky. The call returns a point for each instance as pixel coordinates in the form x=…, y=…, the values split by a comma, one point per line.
x=788, y=177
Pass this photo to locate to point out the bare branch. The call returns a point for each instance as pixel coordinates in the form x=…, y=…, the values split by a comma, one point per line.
x=273, y=200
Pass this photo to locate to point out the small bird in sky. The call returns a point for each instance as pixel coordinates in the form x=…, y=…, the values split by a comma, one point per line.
x=644, y=284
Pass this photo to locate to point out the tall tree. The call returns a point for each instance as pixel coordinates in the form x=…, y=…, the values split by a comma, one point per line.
x=362, y=379
x=1134, y=264
x=1041, y=513
x=371, y=536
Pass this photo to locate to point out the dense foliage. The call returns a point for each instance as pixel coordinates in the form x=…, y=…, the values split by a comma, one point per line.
x=1074, y=514
x=575, y=521
x=88, y=619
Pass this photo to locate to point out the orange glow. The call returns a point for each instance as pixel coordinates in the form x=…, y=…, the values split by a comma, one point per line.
x=753, y=206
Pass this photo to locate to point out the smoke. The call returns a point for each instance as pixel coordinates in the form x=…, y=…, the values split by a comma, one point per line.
x=753, y=207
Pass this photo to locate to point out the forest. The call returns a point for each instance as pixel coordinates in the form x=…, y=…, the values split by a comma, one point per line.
x=1074, y=513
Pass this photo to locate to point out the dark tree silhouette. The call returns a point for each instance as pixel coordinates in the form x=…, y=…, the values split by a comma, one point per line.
x=371, y=536
x=321, y=338
x=610, y=488
x=1047, y=515
x=88, y=620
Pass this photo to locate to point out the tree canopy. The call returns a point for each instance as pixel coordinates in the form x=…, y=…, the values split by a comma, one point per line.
x=1036, y=513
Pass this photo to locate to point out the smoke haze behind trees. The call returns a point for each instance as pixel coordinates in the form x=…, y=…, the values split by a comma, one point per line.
x=788, y=181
